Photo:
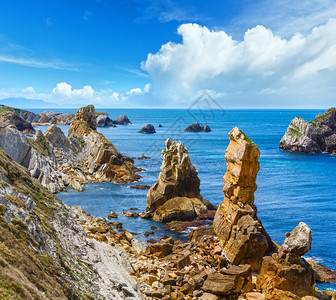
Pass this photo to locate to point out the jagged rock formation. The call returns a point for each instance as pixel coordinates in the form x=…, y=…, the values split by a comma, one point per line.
x=285, y=275
x=316, y=136
x=35, y=154
x=241, y=234
x=45, y=253
x=149, y=128
x=176, y=194
x=96, y=156
x=196, y=127
x=11, y=117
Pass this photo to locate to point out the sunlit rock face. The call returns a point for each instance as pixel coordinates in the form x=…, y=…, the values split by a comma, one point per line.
x=241, y=234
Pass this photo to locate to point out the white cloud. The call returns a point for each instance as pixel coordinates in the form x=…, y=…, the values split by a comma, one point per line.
x=262, y=63
x=63, y=93
x=28, y=90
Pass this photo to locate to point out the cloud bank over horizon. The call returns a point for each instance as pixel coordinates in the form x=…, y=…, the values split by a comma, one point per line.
x=261, y=70
x=262, y=67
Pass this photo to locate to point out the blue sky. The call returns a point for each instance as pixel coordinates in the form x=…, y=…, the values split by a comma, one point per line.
x=165, y=53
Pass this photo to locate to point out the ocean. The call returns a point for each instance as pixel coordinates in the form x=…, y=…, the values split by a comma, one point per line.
x=292, y=187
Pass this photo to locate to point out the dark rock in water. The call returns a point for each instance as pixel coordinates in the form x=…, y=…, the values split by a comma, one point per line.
x=143, y=156
x=160, y=125
x=131, y=214
x=322, y=273
x=140, y=187
x=196, y=127
x=104, y=121
x=122, y=120
x=316, y=136
x=149, y=128
x=112, y=215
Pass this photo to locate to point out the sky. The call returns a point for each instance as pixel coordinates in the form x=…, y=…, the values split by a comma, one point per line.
x=167, y=53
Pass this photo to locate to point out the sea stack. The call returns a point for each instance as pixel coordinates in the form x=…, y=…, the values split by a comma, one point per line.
x=176, y=194
x=241, y=234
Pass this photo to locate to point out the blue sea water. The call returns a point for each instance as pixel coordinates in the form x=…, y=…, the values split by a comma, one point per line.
x=292, y=187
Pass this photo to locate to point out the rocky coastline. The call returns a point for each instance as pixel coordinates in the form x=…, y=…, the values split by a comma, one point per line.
x=74, y=255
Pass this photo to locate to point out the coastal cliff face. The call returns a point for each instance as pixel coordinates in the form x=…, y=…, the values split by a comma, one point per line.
x=241, y=234
x=45, y=253
x=34, y=154
x=11, y=116
x=316, y=136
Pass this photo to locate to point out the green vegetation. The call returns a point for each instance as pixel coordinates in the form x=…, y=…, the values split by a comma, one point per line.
x=294, y=130
x=98, y=113
x=246, y=138
x=15, y=200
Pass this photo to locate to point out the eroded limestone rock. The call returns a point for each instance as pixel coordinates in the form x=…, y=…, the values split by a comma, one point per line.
x=178, y=177
x=241, y=234
x=285, y=272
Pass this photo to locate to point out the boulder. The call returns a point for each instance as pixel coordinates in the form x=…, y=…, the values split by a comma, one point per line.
x=285, y=272
x=235, y=280
x=196, y=127
x=55, y=136
x=197, y=234
x=298, y=241
x=122, y=120
x=322, y=273
x=180, y=209
x=112, y=215
x=241, y=234
x=316, y=136
x=149, y=128
x=178, y=177
x=104, y=121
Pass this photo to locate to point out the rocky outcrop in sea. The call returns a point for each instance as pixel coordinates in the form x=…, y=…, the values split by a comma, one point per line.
x=196, y=127
x=316, y=136
x=149, y=128
x=241, y=233
x=176, y=194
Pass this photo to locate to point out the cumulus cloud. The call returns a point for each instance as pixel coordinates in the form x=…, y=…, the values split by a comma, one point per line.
x=64, y=94
x=261, y=64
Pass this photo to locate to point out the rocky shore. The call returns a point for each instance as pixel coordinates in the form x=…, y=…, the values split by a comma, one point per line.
x=58, y=161
x=48, y=250
x=237, y=260
x=316, y=136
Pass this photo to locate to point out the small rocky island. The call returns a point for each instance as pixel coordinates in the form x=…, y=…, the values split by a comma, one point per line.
x=316, y=136
x=149, y=128
x=196, y=127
